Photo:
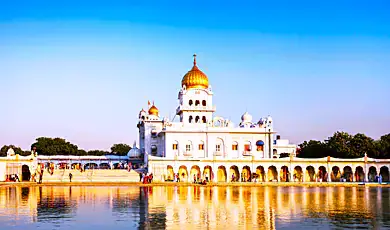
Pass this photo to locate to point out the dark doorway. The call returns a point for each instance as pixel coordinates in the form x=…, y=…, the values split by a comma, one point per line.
x=26, y=174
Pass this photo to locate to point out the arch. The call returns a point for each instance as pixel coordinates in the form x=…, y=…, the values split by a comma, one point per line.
x=384, y=172
x=272, y=174
x=197, y=119
x=275, y=152
x=359, y=174
x=310, y=174
x=260, y=172
x=221, y=174
x=234, y=173
x=284, y=174
x=259, y=145
x=322, y=175
x=104, y=166
x=201, y=151
x=195, y=173
x=188, y=146
x=190, y=102
x=246, y=174
x=372, y=174
x=175, y=145
x=197, y=103
x=170, y=173
x=153, y=150
x=183, y=173
x=208, y=173
x=204, y=119
x=26, y=174
x=204, y=103
x=335, y=176
x=347, y=174
x=247, y=146
x=190, y=119
x=92, y=165
x=219, y=146
x=298, y=174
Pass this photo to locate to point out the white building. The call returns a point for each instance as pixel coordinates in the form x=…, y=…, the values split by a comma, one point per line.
x=200, y=136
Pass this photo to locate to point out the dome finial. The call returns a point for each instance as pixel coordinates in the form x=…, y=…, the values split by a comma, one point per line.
x=194, y=59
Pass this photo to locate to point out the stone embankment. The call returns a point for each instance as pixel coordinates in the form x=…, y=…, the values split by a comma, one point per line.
x=91, y=176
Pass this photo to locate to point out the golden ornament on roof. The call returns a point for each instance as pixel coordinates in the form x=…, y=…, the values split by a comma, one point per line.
x=195, y=78
x=153, y=110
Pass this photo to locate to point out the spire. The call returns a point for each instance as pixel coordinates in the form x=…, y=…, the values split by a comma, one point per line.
x=194, y=59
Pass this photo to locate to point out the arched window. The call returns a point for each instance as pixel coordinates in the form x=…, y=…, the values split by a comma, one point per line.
x=235, y=146
x=175, y=145
x=201, y=145
x=197, y=102
x=190, y=102
x=204, y=102
x=190, y=119
x=188, y=146
x=204, y=119
x=259, y=145
x=154, y=150
x=197, y=119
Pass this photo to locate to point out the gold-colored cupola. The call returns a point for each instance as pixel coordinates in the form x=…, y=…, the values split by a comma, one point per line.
x=195, y=78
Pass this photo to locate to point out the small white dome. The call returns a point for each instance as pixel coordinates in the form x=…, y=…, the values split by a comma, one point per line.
x=134, y=153
x=246, y=118
x=269, y=119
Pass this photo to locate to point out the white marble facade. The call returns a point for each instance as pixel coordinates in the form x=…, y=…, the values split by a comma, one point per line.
x=197, y=134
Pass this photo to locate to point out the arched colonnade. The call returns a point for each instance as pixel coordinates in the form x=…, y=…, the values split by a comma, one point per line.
x=277, y=172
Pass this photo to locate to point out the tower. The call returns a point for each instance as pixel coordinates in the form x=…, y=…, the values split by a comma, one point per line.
x=195, y=98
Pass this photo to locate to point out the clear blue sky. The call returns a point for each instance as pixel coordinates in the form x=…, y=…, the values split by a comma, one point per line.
x=82, y=70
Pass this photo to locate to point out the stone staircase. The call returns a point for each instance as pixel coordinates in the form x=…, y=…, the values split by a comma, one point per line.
x=92, y=175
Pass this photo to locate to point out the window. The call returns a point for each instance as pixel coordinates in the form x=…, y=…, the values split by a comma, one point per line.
x=197, y=118
x=201, y=147
x=197, y=102
x=218, y=148
x=260, y=148
x=188, y=147
x=190, y=102
x=190, y=119
x=247, y=147
x=234, y=147
x=204, y=102
x=174, y=146
x=154, y=150
x=203, y=119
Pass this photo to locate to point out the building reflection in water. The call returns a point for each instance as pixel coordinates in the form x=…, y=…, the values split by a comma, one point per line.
x=199, y=207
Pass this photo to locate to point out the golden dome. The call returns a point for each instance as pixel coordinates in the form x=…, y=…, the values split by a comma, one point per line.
x=153, y=110
x=195, y=78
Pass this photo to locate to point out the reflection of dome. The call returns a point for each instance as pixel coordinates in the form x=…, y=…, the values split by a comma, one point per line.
x=246, y=117
x=134, y=152
x=153, y=110
x=195, y=78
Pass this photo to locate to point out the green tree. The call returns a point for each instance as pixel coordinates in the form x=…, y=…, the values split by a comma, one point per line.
x=97, y=153
x=81, y=152
x=17, y=150
x=313, y=149
x=361, y=144
x=54, y=146
x=120, y=149
x=340, y=145
x=383, y=146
